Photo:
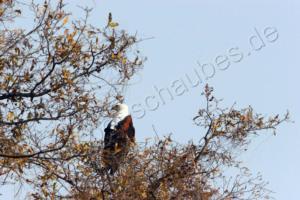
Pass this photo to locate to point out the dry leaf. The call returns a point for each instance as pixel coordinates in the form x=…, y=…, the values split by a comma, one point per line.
x=65, y=21
x=10, y=116
x=113, y=24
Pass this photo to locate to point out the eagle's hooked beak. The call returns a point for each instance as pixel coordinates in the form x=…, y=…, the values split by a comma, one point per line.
x=115, y=107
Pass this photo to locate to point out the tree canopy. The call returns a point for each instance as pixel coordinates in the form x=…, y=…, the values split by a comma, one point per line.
x=58, y=81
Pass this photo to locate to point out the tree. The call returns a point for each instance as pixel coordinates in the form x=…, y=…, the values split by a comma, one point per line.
x=58, y=81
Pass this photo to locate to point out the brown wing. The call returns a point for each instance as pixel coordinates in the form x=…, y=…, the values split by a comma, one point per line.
x=126, y=127
x=116, y=144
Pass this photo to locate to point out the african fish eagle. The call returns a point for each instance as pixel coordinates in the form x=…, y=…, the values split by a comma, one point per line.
x=119, y=137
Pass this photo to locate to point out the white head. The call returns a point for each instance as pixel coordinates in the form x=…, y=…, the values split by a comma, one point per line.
x=122, y=111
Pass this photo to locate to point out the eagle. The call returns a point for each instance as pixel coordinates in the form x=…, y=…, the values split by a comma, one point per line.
x=119, y=137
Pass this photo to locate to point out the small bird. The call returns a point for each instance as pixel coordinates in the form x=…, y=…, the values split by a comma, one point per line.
x=119, y=137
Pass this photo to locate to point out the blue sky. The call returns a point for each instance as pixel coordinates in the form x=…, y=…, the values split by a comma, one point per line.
x=189, y=34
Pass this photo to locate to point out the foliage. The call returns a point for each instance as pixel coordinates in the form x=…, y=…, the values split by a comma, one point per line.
x=164, y=169
x=57, y=83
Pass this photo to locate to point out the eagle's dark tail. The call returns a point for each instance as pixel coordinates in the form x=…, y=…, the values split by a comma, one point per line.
x=111, y=169
x=103, y=170
x=106, y=170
